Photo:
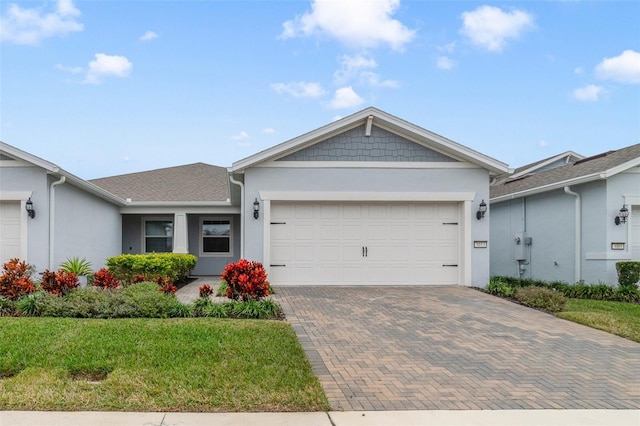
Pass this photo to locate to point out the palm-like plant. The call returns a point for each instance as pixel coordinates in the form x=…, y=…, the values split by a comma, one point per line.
x=77, y=266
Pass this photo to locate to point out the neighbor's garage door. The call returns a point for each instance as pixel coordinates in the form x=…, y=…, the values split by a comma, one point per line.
x=364, y=243
x=9, y=230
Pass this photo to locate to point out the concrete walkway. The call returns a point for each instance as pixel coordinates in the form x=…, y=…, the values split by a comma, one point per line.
x=455, y=348
x=359, y=418
x=190, y=292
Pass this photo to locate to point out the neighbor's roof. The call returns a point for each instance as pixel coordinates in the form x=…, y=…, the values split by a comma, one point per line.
x=589, y=169
x=197, y=182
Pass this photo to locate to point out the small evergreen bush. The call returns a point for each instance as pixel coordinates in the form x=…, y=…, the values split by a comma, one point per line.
x=540, y=298
x=498, y=287
x=628, y=274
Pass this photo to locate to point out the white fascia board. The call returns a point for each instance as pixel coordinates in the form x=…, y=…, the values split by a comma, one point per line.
x=622, y=167
x=567, y=154
x=366, y=165
x=155, y=210
x=365, y=196
x=549, y=187
x=12, y=151
x=55, y=170
x=383, y=120
x=178, y=203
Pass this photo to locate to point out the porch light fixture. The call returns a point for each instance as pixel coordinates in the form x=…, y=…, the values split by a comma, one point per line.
x=29, y=208
x=256, y=209
x=622, y=216
x=482, y=209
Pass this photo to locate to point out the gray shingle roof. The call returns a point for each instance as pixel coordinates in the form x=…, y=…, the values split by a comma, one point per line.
x=582, y=168
x=192, y=182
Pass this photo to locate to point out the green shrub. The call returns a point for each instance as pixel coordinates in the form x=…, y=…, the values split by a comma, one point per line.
x=76, y=266
x=200, y=306
x=540, y=298
x=180, y=310
x=217, y=310
x=256, y=309
x=7, y=307
x=142, y=300
x=222, y=289
x=28, y=305
x=173, y=266
x=500, y=288
x=627, y=294
x=628, y=274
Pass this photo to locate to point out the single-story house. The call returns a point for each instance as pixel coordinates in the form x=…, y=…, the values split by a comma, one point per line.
x=367, y=199
x=567, y=217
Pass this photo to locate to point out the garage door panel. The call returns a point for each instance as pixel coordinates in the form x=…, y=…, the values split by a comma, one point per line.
x=365, y=243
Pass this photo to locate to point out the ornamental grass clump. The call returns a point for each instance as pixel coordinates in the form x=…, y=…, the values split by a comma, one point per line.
x=247, y=280
x=540, y=298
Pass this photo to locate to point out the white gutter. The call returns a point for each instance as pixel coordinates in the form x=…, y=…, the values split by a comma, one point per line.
x=578, y=231
x=241, y=185
x=52, y=217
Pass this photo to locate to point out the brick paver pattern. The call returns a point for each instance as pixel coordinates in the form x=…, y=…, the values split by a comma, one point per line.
x=448, y=348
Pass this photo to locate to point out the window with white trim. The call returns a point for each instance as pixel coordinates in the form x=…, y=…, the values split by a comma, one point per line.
x=158, y=235
x=215, y=236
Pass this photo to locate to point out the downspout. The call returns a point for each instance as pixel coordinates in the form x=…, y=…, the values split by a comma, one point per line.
x=241, y=185
x=52, y=217
x=578, y=231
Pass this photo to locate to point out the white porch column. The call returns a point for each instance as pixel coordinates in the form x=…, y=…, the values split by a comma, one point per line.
x=180, y=233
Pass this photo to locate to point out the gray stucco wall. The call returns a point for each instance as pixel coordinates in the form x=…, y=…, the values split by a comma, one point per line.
x=369, y=180
x=381, y=145
x=85, y=226
x=32, y=179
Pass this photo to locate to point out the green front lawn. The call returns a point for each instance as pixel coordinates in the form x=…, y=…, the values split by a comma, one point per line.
x=618, y=318
x=195, y=364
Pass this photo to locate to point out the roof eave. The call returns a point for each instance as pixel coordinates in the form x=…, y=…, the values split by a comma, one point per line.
x=549, y=187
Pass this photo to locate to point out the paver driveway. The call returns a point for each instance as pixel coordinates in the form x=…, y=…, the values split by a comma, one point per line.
x=407, y=348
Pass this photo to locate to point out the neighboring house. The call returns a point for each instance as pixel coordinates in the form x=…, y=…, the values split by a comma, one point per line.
x=72, y=216
x=368, y=199
x=556, y=219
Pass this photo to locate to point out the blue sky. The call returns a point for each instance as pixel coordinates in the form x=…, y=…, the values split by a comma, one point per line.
x=109, y=87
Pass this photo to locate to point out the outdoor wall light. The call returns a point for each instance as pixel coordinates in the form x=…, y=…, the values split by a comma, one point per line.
x=256, y=209
x=29, y=208
x=482, y=209
x=622, y=216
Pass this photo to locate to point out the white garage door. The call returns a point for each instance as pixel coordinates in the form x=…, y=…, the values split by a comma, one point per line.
x=9, y=230
x=364, y=243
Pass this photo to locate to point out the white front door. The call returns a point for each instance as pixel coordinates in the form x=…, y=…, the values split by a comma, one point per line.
x=343, y=243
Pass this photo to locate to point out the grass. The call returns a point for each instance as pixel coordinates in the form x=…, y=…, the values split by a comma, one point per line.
x=618, y=318
x=193, y=364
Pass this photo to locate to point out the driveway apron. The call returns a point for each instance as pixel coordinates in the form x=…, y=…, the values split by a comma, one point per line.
x=448, y=348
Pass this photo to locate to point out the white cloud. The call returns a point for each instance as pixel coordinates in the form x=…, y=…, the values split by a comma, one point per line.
x=589, y=93
x=490, y=27
x=447, y=48
x=623, y=69
x=148, y=36
x=355, y=23
x=240, y=136
x=300, y=89
x=445, y=63
x=345, y=97
x=543, y=144
x=358, y=68
x=71, y=70
x=268, y=130
x=30, y=26
x=578, y=70
x=107, y=66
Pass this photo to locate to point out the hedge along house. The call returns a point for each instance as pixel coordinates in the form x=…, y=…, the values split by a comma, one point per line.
x=567, y=217
x=368, y=199
x=184, y=209
x=68, y=216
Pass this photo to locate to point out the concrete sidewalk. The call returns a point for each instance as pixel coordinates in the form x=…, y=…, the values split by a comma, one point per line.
x=333, y=418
